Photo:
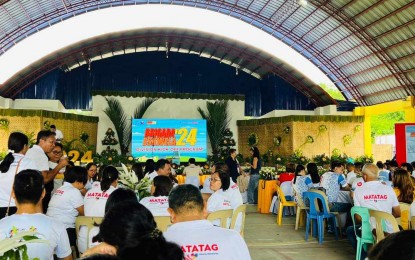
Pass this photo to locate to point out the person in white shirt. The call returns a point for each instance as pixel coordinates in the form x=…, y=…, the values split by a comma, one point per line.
x=59, y=135
x=28, y=192
x=13, y=162
x=91, y=169
x=197, y=236
x=67, y=202
x=162, y=167
x=45, y=143
x=158, y=202
x=373, y=194
x=219, y=184
x=94, y=204
x=192, y=173
x=350, y=173
x=332, y=181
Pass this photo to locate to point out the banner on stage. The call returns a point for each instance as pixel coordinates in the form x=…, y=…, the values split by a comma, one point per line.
x=176, y=139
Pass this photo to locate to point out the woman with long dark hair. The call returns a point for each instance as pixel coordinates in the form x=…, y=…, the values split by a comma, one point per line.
x=158, y=202
x=255, y=165
x=94, y=203
x=312, y=170
x=14, y=162
x=129, y=230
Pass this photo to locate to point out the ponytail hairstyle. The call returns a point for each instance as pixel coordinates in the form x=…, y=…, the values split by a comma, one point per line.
x=298, y=169
x=28, y=186
x=109, y=174
x=16, y=143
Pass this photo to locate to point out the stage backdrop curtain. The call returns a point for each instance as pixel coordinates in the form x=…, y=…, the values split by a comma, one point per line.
x=153, y=72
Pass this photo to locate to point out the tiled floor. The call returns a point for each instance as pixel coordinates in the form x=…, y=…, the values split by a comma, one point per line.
x=267, y=240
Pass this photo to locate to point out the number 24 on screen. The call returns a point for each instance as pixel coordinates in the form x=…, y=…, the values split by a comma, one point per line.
x=189, y=136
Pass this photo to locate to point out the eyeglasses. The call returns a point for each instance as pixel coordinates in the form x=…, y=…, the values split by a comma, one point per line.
x=57, y=153
x=214, y=180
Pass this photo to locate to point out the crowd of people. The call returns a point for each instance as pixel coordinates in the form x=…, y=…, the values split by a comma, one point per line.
x=32, y=198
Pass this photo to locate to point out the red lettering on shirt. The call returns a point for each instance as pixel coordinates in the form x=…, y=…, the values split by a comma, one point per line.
x=59, y=192
x=375, y=197
x=200, y=248
x=158, y=200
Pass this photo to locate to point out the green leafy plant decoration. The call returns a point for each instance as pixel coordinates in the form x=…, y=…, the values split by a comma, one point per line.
x=118, y=117
x=4, y=123
x=308, y=140
x=253, y=139
x=217, y=121
x=14, y=248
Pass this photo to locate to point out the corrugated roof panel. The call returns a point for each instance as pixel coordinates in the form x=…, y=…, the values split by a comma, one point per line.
x=244, y=3
x=256, y=6
x=403, y=49
x=270, y=9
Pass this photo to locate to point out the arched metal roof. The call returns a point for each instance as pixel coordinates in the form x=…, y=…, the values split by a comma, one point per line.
x=365, y=47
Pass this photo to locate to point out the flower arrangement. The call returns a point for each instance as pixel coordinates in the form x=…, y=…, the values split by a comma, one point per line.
x=321, y=159
x=298, y=158
x=128, y=179
x=364, y=159
x=308, y=140
x=267, y=173
x=286, y=130
x=357, y=128
x=337, y=156
x=280, y=160
x=252, y=139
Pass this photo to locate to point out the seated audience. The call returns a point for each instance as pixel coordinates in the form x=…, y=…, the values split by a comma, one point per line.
x=332, y=181
x=301, y=182
x=373, y=194
x=288, y=175
x=149, y=166
x=402, y=186
x=28, y=191
x=91, y=169
x=312, y=170
x=137, y=168
x=400, y=245
x=192, y=172
x=351, y=175
x=67, y=202
x=162, y=167
x=219, y=183
x=159, y=201
x=94, y=204
x=118, y=196
x=129, y=231
x=190, y=230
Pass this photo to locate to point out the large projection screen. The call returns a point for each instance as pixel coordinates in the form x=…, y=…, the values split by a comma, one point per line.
x=176, y=139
